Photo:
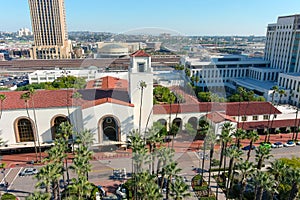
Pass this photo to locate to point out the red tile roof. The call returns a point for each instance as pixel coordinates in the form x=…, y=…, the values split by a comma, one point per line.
x=140, y=53
x=218, y=117
x=231, y=109
x=41, y=99
x=108, y=83
x=62, y=98
x=266, y=124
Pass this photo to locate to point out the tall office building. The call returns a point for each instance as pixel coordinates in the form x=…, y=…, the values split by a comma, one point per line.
x=48, y=19
x=282, y=45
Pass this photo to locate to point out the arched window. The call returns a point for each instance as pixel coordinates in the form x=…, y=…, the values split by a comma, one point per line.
x=55, y=125
x=25, y=131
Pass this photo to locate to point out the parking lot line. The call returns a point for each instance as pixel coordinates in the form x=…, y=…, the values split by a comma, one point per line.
x=2, y=181
x=14, y=178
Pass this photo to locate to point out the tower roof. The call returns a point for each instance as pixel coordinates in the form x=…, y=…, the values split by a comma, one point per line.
x=140, y=53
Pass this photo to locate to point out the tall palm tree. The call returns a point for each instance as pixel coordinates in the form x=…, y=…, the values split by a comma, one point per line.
x=142, y=86
x=235, y=155
x=246, y=170
x=211, y=139
x=275, y=89
x=47, y=175
x=278, y=168
x=262, y=153
x=281, y=94
x=154, y=137
x=2, y=98
x=164, y=157
x=226, y=138
x=171, y=170
x=179, y=189
x=253, y=137
x=26, y=96
x=39, y=196
x=31, y=94
x=294, y=177
x=263, y=181
x=239, y=134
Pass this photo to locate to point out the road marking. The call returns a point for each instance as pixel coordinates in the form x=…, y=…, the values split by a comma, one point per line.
x=2, y=181
x=14, y=178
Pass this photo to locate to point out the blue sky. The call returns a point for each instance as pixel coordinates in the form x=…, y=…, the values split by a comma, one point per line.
x=187, y=17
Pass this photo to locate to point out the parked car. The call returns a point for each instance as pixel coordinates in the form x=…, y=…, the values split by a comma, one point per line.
x=289, y=144
x=277, y=145
x=121, y=192
x=266, y=144
x=28, y=172
x=246, y=148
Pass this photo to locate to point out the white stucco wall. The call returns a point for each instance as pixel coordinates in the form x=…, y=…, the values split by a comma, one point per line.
x=43, y=118
x=92, y=116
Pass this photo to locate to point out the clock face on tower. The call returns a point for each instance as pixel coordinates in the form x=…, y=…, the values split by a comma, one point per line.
x=141, y=84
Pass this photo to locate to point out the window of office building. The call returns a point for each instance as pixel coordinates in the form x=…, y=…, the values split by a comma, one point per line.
x=266, y=117
x=255, y=117
x=244, y=118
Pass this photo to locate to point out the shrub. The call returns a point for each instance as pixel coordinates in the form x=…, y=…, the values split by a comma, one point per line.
x=215, y=162
x=8, y=196
x=208, y=198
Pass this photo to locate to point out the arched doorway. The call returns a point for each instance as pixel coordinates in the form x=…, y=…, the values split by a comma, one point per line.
x=194, y=122
x=109, y=129
x=24, y=130
x=163, y=122
x=178, y=123
x=55, y=123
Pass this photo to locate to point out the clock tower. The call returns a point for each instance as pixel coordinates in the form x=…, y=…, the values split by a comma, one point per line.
x=141, y=89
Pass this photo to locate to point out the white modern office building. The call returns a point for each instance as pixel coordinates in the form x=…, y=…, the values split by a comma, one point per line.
x=282, y=45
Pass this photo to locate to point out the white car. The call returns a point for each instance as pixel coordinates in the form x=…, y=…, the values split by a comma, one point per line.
x=277, y=145
x=28, y=171
x=289, y=144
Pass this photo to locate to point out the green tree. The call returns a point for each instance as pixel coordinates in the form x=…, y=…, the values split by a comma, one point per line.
x=2, y=98
x=263, y=181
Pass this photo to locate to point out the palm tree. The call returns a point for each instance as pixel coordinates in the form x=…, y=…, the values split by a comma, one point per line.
x=82, y=188
x=235, y=155
x=239, y=134
x=278, y=168
x=164, y=157
x=26, y=96
x=39, y=196
x=211, y=139
x=2, y=98
x=281, y=94
x=294, y=177
x=154, y=136
x=246, y=170
x=142, y=86
x=275, y=89
x=179, y=189
x=171, y=170
x=263, y=181
x=48, y=174
x=225, y=139
x=253, y=137
x=262, y=153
